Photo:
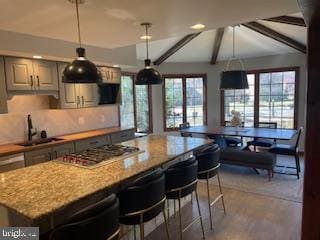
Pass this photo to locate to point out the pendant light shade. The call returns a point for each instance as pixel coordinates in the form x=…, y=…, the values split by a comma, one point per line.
x=148, y=75
x=81, y=70
x=234, y=79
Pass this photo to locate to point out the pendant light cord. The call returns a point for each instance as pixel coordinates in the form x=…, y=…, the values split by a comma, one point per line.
x=78, y=22
x=147, y=40
x=233, y=43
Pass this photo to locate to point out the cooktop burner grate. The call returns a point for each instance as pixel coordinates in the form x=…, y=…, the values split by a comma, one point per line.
x=95, y=157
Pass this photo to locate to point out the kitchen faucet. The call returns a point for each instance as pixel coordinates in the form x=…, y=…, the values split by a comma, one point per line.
x=31, y=133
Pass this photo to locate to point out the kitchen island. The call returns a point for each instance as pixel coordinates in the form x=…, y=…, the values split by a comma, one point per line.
x=45, y=194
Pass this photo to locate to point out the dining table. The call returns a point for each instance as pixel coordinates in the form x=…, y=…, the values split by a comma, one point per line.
x=251, y=132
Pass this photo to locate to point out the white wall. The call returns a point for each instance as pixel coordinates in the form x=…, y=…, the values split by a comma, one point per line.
x=213, y=81
x=13, y=125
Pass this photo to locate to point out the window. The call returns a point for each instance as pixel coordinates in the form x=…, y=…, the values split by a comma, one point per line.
x=135, y=110
x=271, y=97
x=184, y=100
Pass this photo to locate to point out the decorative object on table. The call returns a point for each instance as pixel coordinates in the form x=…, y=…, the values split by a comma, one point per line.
x=81, y=70
x=148, y=75
x=236, y=119
x=234, y=79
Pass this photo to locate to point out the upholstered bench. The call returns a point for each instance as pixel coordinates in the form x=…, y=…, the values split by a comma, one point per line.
x=259, y=160
x=244, y=157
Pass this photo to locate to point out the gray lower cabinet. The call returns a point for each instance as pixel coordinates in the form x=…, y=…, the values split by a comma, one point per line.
x=76, y=95
x=11, y=162
x=37, y=156
x=92, y=142
x=61, y=150
x=31, y=75
x=122, y=136
x=3, y=92
x=47, y=154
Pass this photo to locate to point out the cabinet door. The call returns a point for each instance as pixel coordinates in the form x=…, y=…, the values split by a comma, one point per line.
x=37, y=156
x=88, y=94
x=67, y=91
x=92, y=143
x=3, y=91
x=19, y=74
x=116, y=75
x=60, y=151
x=46, y=74
x=122, y=136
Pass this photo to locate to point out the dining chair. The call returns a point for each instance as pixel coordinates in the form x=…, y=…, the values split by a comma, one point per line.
x=233, y=141
x=184, y=126
x=263, y=142
x=289, y=150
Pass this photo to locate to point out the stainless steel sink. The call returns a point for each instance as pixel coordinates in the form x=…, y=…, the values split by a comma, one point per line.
x=39, y=141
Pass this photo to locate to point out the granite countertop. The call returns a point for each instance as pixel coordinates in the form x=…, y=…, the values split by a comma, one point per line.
x=42, y=190
x=12, y=148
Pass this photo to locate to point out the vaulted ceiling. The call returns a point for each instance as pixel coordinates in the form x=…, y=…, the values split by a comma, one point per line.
x=115, y=23
x=249, y=43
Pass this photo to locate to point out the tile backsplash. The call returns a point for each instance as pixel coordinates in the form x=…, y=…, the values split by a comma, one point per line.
x=13, y=125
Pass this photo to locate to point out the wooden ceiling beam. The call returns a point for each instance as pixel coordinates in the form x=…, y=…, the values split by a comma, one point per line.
x=268, y=32
x=217, y=45
x=175, y=48
x=288, y=20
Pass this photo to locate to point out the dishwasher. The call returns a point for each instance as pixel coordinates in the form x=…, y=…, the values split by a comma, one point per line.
x=11, y=162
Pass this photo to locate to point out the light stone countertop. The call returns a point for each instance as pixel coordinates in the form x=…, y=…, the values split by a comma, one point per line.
x=45, y=189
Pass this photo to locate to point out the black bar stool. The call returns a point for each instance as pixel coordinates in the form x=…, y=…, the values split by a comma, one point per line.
x=99, y=221
x=143, y=200
x=208, y=167
x=181, y=180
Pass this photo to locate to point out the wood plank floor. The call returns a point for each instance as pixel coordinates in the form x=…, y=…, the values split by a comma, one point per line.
x=249, y=217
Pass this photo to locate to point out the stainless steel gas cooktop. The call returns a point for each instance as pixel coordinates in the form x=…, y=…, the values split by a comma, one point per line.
x=96, y=157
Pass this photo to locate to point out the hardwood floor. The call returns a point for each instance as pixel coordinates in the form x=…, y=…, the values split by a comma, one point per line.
x=249, y=217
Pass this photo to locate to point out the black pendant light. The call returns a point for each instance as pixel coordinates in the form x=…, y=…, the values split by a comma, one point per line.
x=148, y=75
x=81, y=70
x=234, y=79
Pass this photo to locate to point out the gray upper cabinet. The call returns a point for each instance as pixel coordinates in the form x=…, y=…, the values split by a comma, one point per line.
x=46, y=75
x=76, y=95
x=26, y=74
x=3, y=92
x=110, y=74
x=19, y=74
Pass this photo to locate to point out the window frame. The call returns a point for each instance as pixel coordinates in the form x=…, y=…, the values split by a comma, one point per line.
x=149, y=92
x=256, y=74
x=184, y=97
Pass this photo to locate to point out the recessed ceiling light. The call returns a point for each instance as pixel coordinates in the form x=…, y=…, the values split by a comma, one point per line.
x=198, y=26
x=37, y=56
x=144, y=37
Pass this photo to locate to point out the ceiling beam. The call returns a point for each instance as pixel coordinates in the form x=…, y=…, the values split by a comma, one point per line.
x=268, y=32
x=217, y=45
x=175, y=48
x=288, y=20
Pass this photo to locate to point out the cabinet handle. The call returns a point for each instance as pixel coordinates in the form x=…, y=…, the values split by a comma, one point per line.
x=78, y=101
x=82, y=97
x=38, y=79
x=31, y=81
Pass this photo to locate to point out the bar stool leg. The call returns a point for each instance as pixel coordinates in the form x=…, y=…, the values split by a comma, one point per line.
x=135, y=232
x=200, y=214
x=141, y=227
x=220, y=189
x=168, y=210
x=209, y=205
x=166, y=223
x=180, y=218
x=174, y=208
